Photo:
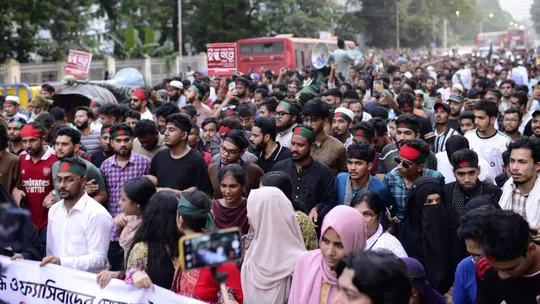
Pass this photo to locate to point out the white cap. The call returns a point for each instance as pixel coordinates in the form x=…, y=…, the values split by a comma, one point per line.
x=440, y=91
x=345, y=111
x=177, y=84
x=407, y=74
x=458, y=86
x=13, y=99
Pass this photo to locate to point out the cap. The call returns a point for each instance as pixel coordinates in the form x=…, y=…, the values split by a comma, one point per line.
x=455, y=98
x=344, y=113
x=177, y=84
x=407, y=74
x=458, y=86
x=255, y=76
x=472, y=93
x=442, y=105
x=12, y=99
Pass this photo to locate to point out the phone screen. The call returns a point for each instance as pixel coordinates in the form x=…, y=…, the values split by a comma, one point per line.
x=212, y=249
x=232, y=86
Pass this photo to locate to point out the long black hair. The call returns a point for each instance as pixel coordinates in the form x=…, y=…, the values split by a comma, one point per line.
x=159, y=230
x=139, y=190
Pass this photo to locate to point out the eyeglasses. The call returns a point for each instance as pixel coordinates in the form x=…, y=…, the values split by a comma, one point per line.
x=229, y=152
x=308, y=120
x=281, y=114
x=135, y=99
x=68, y=180
x=405, y=164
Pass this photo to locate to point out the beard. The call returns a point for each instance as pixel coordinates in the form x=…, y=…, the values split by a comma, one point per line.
x=122, y=152
x=338, y=136
x=66, y=155
x=137, y=107
x=66, y=195
x=82, y=125
x=14, y=139
x=260, y=147
x=297, y=157
x=284, y=127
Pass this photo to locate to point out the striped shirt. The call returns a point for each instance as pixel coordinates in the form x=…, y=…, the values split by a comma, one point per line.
x=91, y=141
x=519, y=202
x=440, y=139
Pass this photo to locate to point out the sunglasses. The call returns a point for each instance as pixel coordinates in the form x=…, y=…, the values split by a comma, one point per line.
x=405, y=164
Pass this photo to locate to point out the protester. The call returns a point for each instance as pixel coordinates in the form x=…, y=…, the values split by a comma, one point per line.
x=139, y=102
x=511, y=122
x=131, y=117
x=106, y=151
x=455, y=102
x=161, y=114
x=282, y=181
x=341, y=124
x=155, y=244
x=329, y=150
x=194, y=96
x=231, y=150
x=343, y=232
x=263, y=141
x=288, y=115
x=521, y=193
x=210, y=127
x=11, y=107
x=116, y=170
x=148, y=141
x=231, y=211
x=370, y=205
x=373, y=277
x=179, y=168
x=15, y=125
x=442, y=129
x=359, y=163
x=83, y=121
x=10, y=173
x=85, y=244
x=195, y=143
x=277, y=244
x=423, y=292
x=427, y=231
x=466, y=122
x=313, y=182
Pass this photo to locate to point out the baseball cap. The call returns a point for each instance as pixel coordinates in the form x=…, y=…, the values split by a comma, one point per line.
x=177, y=84
x=442, y=105
x=255, y=76
x=472, y=93
x=455, y=98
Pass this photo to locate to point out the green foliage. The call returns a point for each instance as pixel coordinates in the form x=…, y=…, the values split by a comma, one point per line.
x=535, y=13
x=130, y=45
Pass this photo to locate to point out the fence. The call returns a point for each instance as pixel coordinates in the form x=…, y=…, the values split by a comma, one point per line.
x=154, y=70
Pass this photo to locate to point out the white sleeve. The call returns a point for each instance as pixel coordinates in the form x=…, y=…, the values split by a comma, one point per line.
x=98, y=237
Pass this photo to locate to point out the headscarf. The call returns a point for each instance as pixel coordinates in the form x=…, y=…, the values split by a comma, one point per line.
x=312, y=271
x=418, y=275
x=277, y=244
x=185, y=207
x=428, y=232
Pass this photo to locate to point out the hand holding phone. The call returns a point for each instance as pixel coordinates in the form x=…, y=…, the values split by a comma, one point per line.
x=210, y=249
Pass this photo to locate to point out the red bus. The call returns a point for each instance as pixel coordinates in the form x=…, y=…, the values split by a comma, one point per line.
x=516, y=39
x=273, y=53
x=498, y=39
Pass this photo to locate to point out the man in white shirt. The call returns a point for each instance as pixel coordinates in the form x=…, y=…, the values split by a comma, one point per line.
x=485, y=139
x=79, y=230
x=139, y=103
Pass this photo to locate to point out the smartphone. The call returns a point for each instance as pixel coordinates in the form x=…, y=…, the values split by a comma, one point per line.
x=232, y=86
x=210, y=249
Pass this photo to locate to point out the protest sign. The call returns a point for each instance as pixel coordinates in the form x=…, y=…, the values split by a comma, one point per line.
x=24, y=282
x=221, y=59
x=78, y=63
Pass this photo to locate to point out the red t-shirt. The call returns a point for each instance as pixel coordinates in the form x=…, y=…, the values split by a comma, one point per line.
x=37, y=183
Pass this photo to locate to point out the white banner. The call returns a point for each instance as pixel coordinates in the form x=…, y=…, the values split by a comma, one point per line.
x=24, y=282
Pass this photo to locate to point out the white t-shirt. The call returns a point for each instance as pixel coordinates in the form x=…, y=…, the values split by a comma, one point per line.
x=445, y=168
x=491, y=149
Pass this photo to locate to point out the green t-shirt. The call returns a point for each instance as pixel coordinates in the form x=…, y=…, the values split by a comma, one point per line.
x=92, y=172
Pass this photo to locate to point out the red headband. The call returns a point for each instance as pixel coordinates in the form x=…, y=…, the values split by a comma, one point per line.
x=139, y=93
x=408, y=152
x=406, y=105
x=359, y=133
x=30, y=131
x=224, y=129
x=464, y=164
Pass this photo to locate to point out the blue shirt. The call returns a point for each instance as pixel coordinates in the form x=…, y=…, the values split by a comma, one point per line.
x=465, y=282
x=376, y=186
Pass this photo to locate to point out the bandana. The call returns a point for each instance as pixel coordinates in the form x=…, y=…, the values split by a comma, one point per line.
x=406, y=105
x=411, y=154
x=121, y=132
x=495, y=93
x=31, y=131
x=105, y=130
x=16, y=124
x=306, y=133
x=343, y=116
x=405, y=125
x=286, y=105
x=466, y=164
x=186, y=208
x=72, y=168
x=229, y=112
x=194, y=88
x=224, y=129
x=359, y=133
x=233, y=141
x=139, y=93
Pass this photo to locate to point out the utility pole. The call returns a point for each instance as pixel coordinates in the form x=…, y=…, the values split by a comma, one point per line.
x=397, y=25
x=180, y=33
x=445, y=34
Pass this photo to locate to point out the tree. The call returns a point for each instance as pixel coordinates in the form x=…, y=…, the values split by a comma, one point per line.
x=535, y=13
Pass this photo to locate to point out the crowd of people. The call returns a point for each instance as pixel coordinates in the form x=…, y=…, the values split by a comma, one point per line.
x=402, y=182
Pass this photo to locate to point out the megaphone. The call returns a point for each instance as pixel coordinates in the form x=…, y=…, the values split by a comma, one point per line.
x=321, y=56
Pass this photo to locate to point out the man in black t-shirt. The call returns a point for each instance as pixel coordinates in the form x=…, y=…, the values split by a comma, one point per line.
x=263, y=142
x=510, y=269
x=180, y=168
x=106, y=150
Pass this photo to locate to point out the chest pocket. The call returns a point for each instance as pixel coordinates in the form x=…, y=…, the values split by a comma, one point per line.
x=75, y=238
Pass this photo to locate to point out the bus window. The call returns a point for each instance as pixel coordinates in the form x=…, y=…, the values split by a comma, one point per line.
x=262, y=48
x=299, y=59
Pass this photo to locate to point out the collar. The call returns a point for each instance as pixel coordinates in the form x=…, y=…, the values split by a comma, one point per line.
x=130, y=160
x=81, y=203
x=306, y=166
x=373, y=239
x=46, y=155
x=275, y=154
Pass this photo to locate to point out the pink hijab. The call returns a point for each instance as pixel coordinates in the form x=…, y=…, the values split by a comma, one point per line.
x=277, y=244
x=311, y=270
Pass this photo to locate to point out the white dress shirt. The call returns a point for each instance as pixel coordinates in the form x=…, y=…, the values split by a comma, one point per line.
x=81, y=237
x=147, y=115
x=447, y=170
x=381, y=241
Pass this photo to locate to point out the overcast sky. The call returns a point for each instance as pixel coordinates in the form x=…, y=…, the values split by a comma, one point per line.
x=519, y=9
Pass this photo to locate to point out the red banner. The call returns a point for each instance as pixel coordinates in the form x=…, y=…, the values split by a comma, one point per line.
x=221, y=58
x=78, y=63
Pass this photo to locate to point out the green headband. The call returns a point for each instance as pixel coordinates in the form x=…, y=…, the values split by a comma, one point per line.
x=306, y=133
x=196, y=90
x=72, y=168
x=286, y=105
x=187, y=208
